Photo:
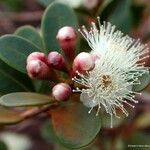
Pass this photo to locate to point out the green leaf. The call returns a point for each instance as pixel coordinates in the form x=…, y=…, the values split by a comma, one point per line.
x=56, y=16
x=3, y=146
x=106, y=120
x=45, y=3
x=14, y=51
x=48, y=132
x=119, y=13
x=104, y=5
x=74, y=126
x=12, y=80
x=21, y=99
x=42, y=86
x=8, y=116
x=144, y=80
x=30, y=33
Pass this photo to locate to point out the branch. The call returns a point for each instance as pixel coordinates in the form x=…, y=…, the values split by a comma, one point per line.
x=35, y=111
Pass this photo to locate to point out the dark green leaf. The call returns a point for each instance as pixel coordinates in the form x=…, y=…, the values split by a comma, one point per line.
x=3, y=146
x=144, y=80
x=30, y=33
x=42, y=86
x=12, y=80
x=119, y=13
x=14, y=51
x=8, y=116
x=21, y=99
x=137, y=11
x=104, y=5
x=56, y=16
x=74, y=126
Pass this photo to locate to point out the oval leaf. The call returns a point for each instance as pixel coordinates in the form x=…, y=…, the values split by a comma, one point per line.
x=74, y=126
x=12, y=80
x=21, y=99
x=30, y=33
x=8, y=116
x=14, y=51
x=56, y=16
x=144, y=80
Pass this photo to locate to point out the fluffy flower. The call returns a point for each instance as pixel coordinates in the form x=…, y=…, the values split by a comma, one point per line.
x=110, y=83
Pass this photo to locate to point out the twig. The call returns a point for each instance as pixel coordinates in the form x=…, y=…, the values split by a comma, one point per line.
x=35, y=111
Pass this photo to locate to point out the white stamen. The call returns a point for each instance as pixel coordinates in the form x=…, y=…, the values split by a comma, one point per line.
x=110, y=82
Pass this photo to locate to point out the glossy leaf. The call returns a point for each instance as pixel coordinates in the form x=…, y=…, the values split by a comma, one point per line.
x=12, y=80
x=8, y=116
x=56, y=16
x=21, y=99
x=14, y=51
x=144, y=80
x=74, y=126
x=31, y=34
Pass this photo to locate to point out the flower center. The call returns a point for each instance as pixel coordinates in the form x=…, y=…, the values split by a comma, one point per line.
x=105, y=81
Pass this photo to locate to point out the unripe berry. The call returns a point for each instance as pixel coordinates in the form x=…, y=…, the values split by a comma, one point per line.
x=56, y=60
x=61, y=92
x=83, y=62
x=38, y=70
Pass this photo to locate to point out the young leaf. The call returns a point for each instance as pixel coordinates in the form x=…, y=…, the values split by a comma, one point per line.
x=30, y=33
x=74, y=126
x=14, y=51
x=21, y=99
x=12, y=80
x=8, y=116
x=56, y=16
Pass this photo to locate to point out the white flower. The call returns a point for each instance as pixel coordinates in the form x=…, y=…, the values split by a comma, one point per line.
x=110, y=83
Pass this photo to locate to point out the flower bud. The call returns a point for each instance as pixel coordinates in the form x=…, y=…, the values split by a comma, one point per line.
x=38, y=70
x=90, y=4
x=56, y=60
x=37, y=56
x=83, y=62
x=67, y=39
x=95, y=56
x=61, y=92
